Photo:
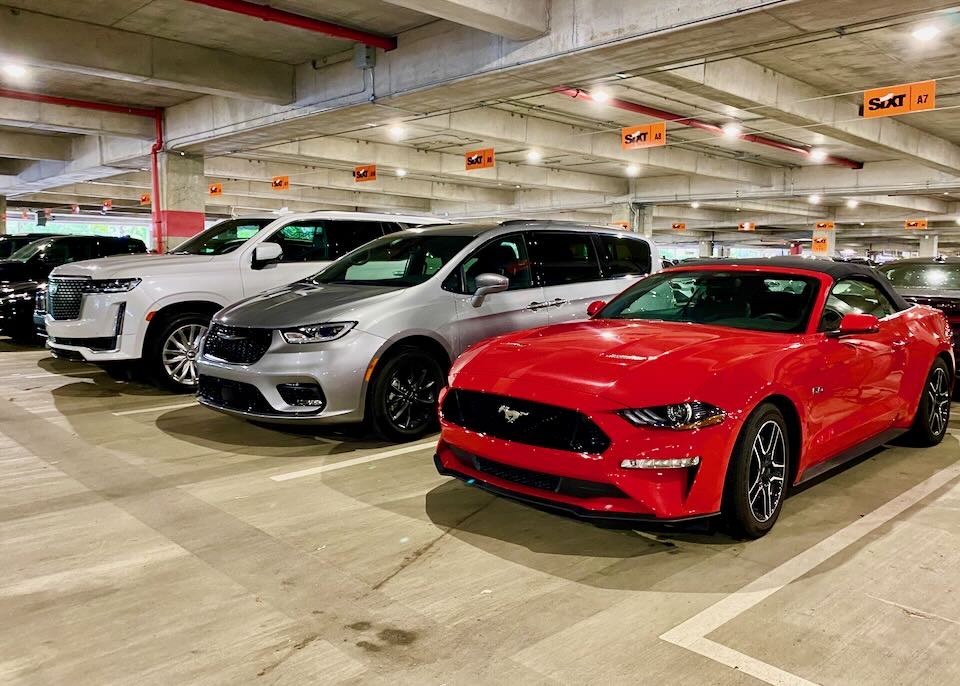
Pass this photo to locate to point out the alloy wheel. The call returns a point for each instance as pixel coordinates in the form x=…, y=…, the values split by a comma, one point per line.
x=768, y=466
x=411, y=397
x=180, y=352
x=938, y=394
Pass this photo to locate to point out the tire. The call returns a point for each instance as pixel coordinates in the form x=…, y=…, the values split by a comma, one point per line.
x=402, y=401
x=933, y=413
x=758, y=474
x=176, y=336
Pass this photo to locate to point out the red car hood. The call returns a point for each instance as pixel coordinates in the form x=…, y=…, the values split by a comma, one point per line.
x=629, y=362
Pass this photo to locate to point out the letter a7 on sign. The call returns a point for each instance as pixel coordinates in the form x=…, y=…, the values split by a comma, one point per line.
x=907, y=97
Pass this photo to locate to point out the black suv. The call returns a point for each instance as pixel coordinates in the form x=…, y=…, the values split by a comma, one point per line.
x=25, y=272
x=11, y=243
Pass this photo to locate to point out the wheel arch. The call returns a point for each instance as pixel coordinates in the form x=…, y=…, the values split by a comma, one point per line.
x=182, y=307
x=794, y=430
x=431, y=345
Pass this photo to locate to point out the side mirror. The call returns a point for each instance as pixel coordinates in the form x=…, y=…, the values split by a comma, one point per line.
x=487, y=284
x=855, y=324
x=595, y=307
x=266, y=254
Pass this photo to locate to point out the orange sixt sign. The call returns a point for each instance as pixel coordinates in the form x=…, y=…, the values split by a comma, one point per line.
x=678, y=226
x=915, y=224
x=825, y=226
x=907, y=97
x=365, y=172
x=644, y=136
x=820, y=245
x=748, y=226
x=479, y=159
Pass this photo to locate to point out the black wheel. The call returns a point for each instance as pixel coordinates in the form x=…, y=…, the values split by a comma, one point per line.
x=403, y=396
x=756, y=483
x=933, y=412
x=171, y=352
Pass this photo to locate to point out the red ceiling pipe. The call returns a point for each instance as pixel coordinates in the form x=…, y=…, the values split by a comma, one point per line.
x=299, y=21
x=155, y=113
x=706, y=126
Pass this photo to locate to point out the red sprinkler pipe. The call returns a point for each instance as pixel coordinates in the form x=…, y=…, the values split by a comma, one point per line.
x=299, y=21
x=155, y=113
x=706, y=126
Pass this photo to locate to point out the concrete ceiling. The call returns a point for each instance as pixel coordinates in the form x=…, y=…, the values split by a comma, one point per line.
x=256, y=98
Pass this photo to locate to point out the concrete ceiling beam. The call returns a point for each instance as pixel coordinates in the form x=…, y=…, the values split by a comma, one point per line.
x=45, y=117
x=31, y=146
x=516, y=21
x=743, y=84
x=551, y=137
x=64, y=44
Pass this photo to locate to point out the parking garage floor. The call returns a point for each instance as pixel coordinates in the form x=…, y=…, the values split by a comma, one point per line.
x=148, y=540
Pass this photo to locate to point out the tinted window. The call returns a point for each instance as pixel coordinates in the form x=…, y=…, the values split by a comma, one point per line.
x=934, y=276
x=345, y=236
x=853, y=296
x=562, y=258
x=506, y=256
x=741, y=300
x=399, y=261
x=621, y=256
x=222, y=238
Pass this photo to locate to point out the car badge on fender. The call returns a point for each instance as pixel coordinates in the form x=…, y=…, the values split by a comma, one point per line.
x=510, y=414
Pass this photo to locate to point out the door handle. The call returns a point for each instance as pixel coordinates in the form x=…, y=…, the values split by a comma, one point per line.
x=899, y=345
x=557, y=302
x=534, y=306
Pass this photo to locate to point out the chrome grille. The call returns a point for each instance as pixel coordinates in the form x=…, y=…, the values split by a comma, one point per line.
x=65, y=297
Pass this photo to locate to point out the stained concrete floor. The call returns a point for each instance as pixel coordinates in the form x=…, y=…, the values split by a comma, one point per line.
x=147, y=540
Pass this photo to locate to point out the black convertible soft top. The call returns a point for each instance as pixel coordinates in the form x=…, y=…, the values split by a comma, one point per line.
x=835, y=270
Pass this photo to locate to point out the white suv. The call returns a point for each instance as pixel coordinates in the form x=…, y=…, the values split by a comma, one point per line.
x=155, y=308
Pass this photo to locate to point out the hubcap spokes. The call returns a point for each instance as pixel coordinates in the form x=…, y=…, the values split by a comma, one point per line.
x=938, y=393
x=768, y=465
x=180, y=352
x=411, y=397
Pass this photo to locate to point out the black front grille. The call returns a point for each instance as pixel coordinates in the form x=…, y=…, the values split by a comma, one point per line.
x=233, y=395
x=575, y=488
x=532, y=423
x=64, y=298
x=236, y=345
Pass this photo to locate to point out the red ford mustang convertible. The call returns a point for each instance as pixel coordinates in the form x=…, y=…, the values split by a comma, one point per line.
x=702, y=390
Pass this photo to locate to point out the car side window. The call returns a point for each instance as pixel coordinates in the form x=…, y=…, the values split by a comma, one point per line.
x=564, y=257
x=107, y=247
x=506, y=256
x=77, y=250
x=342, y=237
x=622, y=256
x=303, y=241
x=853, y=296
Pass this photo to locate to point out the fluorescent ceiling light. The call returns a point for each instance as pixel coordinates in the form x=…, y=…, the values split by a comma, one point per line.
x=732, y=129
x=814, y=199
x=534, y=156
x=16, y=71
x=926, y=33
x=599, y=95
x=632, y=170
x=853, y=204
x=818, y=155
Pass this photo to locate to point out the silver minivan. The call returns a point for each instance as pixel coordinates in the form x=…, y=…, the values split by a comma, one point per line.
x=373, y=335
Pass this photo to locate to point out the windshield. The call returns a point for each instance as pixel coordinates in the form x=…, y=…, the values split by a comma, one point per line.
x=223, y=237
x=759, y=301
x=31, y=249
x=935, y=276
x=394, y=261
x=10, y=244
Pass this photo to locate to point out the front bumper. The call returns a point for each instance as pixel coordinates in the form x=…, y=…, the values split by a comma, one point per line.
x=104, y=332
x=535, y=474
x=337, y=367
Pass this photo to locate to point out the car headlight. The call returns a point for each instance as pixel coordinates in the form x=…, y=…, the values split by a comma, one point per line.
x=680, y=417
x=110, y=285
x=317, y=333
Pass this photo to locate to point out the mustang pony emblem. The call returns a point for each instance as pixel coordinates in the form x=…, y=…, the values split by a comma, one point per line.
x=510, y=414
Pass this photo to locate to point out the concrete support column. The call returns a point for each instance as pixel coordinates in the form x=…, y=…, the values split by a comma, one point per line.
x=622, y=215
x=3, y=214
x=824, y=244
x=644, y=222
x=706, y=248
x=183, y=192
x=929, y=245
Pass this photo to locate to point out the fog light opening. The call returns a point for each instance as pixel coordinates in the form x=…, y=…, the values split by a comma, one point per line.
x=678, y=463
x=302, y=395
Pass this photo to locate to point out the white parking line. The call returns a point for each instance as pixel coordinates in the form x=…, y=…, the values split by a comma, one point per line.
x=48, y=375
x=692, y=633
x=161, y=408
x=357, y=460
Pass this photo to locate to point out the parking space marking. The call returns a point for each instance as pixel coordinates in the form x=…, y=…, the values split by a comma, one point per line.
x=692, y=633
x=161, y=408
x=355, y=461
x=48, y=375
